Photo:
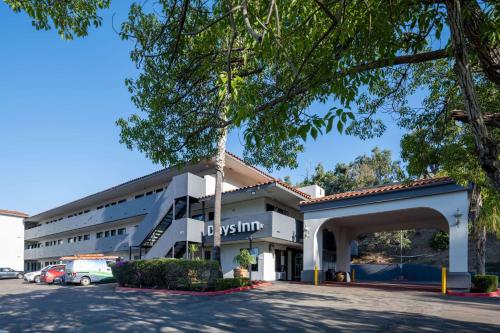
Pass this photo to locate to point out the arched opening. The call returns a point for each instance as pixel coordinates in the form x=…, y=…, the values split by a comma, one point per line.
x=339, y=247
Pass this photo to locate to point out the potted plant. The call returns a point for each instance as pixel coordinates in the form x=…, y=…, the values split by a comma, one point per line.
x=340, y=277
x=244, y=259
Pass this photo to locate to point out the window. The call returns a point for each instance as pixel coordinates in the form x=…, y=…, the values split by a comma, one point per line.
x=98, y=235
x=59, y=242
x=100, y=207
x=149, y=193
x=80, y=238
x=158, y=190
x=86, y=237
x=113, y=232
x=122, y=201
x=211, y=216
x=70, y=240
x=122, y=231
x=269, y=208
x=139, y=196
x=46, y=243
x=106, y=233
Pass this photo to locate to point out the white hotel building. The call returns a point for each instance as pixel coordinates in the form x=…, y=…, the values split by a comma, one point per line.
x=158, y=215
x=292, y=230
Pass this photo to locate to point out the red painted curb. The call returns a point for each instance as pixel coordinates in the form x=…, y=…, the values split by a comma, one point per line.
x=491, y=294
x=196, y=293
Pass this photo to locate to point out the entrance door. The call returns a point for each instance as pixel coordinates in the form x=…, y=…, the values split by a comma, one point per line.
x=297, y=266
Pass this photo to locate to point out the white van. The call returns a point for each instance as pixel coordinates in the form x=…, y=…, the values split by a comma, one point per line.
x=87, y=271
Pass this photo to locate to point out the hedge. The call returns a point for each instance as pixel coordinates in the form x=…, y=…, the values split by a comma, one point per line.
x=175, y=274
x=484, y=283
x=223, y=284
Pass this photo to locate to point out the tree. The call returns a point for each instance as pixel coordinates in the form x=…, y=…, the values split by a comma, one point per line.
x=438, y=145
x=286, y=56
x=70, y=17
x=365, y=171
x=192, y=61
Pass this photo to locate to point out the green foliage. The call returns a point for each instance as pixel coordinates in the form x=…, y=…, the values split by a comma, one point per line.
x=193, y=250
x=364, y=171
x=273, y=64
x=437, y=145
x=382, y=240
x=223, y=284
x=440, y=241
x=243, y=258
x=484, y=283
x=179, y=274
x=69, y=17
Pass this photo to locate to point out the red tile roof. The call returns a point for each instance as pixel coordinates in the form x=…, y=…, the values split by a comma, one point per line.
x=13, y=213
x=277, y=181
x=379, y=189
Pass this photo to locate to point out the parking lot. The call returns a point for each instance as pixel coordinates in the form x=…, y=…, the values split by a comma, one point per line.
x=281, y=307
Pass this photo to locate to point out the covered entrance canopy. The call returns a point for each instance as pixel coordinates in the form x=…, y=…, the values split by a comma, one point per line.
x=430, y=203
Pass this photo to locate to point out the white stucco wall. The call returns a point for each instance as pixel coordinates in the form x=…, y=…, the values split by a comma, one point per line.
x=227, y=185
x=11, y=242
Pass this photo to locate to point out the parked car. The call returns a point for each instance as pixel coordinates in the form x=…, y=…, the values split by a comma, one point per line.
x=9, y=273
x=53, y=272
x=87, y=271
x=35, y=276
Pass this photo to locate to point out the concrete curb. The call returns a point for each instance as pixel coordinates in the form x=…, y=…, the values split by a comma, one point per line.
x=461, y=294
x=196, y=293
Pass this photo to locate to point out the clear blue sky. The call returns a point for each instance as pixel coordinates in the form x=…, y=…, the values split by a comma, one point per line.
x=59, y=101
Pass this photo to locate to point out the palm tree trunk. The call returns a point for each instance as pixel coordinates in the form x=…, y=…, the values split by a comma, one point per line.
x=220, y=160
x=480, y=248
x=478, y=229
x=486, y=146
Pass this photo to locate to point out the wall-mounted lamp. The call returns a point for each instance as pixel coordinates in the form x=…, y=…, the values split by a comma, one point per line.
x=306, y=232
x=457, y=217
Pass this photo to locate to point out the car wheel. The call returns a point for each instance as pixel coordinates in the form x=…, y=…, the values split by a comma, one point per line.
x=37, y=279
x=20, y=276
x=85, y=281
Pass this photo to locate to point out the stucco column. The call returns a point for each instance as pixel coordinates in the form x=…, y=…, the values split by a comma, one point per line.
x=458, y=246
x=343, y=238
x=313, y=242
x=458, y=277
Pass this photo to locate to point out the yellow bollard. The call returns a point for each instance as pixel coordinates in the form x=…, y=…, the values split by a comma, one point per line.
x=315, y=274
x=353, y=275
x=443, y=280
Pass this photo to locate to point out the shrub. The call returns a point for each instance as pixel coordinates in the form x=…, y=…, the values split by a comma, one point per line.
x=243, y=258
x=440, y=241
x=484, y=283
x=166, y=273
x=223, y=284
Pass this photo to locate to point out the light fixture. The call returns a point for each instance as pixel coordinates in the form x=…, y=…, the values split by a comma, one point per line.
x=306, y=232
x=457, y=217
x=253, y=192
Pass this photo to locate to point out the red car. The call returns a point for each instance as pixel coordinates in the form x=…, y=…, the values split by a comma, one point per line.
x=53, y=272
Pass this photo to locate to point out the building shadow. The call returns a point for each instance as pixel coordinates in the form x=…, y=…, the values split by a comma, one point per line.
x=101, y=309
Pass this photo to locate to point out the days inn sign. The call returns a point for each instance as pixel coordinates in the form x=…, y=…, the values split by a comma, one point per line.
x=236, y=228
